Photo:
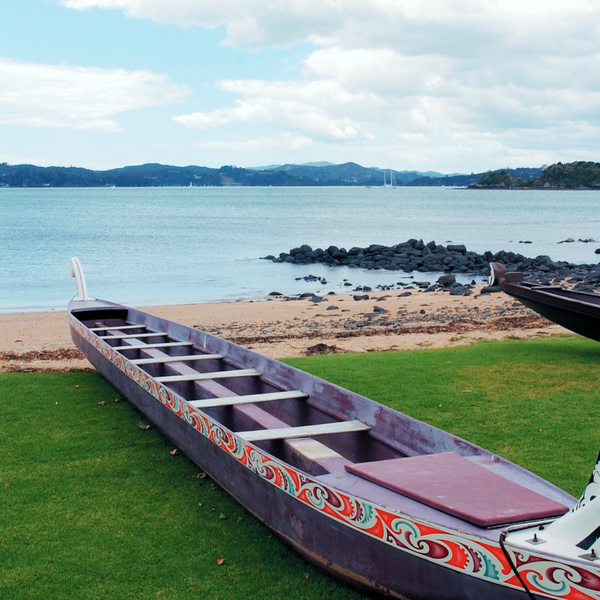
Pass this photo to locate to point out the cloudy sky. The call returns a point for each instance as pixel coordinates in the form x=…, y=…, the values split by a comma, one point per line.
x=451, y=86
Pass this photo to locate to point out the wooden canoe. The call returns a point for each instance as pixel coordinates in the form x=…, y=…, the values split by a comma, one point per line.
x=576, y=311
x=379, y=500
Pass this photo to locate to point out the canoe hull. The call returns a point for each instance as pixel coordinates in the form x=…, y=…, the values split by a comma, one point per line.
x=584, y=323
x=343, y=526
x=360, y=561
x=577, y=311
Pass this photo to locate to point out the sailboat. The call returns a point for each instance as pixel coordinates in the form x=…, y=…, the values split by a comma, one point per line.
x=392, y=184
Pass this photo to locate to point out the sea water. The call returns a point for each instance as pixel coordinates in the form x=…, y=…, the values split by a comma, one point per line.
x=150, y=246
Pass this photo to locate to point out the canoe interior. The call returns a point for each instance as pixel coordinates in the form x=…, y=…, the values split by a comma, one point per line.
x=354, y=447
x=211, y=368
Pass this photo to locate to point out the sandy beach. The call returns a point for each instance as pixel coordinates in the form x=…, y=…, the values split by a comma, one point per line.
x=284, y=328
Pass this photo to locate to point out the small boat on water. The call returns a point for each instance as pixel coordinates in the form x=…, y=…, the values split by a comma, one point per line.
x=379, y=500
x=392, y=184
x=577, y=311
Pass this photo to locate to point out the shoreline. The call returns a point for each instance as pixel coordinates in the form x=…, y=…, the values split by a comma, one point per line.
x=280, y=327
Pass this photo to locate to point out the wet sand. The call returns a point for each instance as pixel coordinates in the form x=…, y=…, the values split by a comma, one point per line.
x=285, y=328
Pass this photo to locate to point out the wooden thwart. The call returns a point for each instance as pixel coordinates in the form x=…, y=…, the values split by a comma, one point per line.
x=214, y=375
x=128, y=336
x=170, y=359
x=248, y=399
x=118, y=328
x=304, y=431
x=159, y=345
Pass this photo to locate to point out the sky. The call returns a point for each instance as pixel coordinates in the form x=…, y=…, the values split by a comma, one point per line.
x=454, y=86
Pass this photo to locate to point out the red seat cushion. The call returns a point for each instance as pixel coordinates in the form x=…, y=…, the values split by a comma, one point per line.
x=457, y=486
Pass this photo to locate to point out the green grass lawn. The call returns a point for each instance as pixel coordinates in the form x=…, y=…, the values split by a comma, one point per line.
x=93, y=506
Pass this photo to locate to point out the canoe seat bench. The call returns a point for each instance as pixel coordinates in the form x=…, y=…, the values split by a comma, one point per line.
x=305, y=431
x=457, y=486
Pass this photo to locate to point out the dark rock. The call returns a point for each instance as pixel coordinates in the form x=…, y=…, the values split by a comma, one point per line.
x=379, y=310
x=460, y=290
x=275, y=294
x=414, y=255
x=333, y=307
x=490, y=289
x=404, y=294
x=321, y=349
x=365, y=297
x=584, y=287
x=446, y=279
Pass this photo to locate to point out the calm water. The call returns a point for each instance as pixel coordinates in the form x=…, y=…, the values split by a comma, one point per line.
x=180, y=245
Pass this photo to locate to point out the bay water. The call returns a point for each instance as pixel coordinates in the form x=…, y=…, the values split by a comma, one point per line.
x=152, y=246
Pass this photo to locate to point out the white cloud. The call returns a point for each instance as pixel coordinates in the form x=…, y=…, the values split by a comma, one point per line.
x=284, y=143
x=41, y=95
x=306, y=107
x=261, y=23
x=470, y=77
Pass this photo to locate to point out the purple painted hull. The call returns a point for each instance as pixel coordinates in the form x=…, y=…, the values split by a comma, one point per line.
x=365, y=535
x=577, y=311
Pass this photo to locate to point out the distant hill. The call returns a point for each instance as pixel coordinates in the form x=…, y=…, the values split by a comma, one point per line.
x=473, y=178
x=149, y=175
x=309, y=174
x=570, y=176
x=308, y=164
x=155, y=175
x=351, y=174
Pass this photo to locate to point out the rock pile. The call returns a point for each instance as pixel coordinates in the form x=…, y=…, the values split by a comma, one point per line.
x=415, y=255
x=412, y=255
